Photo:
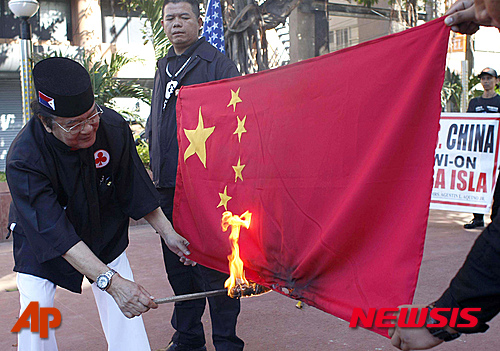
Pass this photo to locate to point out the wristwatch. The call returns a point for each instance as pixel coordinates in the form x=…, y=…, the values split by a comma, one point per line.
x=439, y=332
x=103, y=280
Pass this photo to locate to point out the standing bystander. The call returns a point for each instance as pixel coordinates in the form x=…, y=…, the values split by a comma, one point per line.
x=190, y=60
x=488, y=102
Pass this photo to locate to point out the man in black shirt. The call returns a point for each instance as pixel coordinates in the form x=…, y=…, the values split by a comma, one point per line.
x=489, y=102
x=75, y=180
x=189, y=61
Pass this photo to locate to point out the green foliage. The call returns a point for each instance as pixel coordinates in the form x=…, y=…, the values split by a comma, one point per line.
x=451, y=91
x=367, y=3
x=143, y=151
x=3, y=178
x=473, y=91
x=152, y=11
x=106, y=86
x=131, y=117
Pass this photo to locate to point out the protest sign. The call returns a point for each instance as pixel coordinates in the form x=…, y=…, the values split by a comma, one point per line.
x=466, y=162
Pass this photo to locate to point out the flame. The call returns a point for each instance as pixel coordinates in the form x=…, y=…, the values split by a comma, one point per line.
x=237, y=274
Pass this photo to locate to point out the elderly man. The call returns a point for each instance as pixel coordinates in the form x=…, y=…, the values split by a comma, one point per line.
x=75, y=180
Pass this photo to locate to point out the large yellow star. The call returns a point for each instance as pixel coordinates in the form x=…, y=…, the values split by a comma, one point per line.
x=241, y=127
x=197, y=138
x=234, y=99
x=224, y=198
x=237, y=170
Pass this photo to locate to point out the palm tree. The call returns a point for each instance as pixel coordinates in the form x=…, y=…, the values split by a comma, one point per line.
x=451, y=91
x=106, y=86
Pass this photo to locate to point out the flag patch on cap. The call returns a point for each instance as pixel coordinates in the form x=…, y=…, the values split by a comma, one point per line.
x=46, y=101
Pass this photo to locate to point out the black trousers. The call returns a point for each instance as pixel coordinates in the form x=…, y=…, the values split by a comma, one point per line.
x=186, y=318
x=495, y=206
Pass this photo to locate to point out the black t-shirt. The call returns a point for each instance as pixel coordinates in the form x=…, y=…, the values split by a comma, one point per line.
x=482, y=105
x=61, y=196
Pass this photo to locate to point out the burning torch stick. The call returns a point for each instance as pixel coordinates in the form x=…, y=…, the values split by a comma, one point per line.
x=251, y=290
x=237, y=286
x=188, y=297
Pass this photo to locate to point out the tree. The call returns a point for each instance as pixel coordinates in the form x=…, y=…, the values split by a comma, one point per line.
x=106, y=86
x=451, y=92
x=246, y=23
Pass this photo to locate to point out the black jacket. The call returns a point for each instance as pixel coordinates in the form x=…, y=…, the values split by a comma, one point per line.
x=206, y=64
x=477, y=283
x=61, y=196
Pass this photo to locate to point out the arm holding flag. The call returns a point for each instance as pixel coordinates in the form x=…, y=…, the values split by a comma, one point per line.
x=476, y=285
x=413, y=338
x=176, y=243
x=465, y=16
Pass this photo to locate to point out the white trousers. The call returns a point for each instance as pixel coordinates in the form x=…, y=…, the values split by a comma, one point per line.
x=121, y=333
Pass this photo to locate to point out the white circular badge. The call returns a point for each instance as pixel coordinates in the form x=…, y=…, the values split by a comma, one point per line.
x=101, y=158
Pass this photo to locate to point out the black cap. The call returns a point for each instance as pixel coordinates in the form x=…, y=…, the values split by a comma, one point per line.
x=63, y=87
x=489, y=71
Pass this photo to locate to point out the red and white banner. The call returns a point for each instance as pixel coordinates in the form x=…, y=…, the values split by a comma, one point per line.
x=466, y=162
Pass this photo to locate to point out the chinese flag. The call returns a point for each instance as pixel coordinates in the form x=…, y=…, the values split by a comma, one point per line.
x=333, y=157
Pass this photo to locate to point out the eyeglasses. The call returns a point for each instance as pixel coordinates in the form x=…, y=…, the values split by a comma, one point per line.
x=92, y=120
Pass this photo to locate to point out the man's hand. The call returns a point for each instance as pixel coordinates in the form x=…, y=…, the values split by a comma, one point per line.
x=131, y=298
x=465, y=16
x=462, y=17
x=178, y=245
x=413, y=338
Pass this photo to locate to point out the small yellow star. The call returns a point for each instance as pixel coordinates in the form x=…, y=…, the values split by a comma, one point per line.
x=224, y=198
x=237, y=170
x=241, y=128
x=197, y=139
x=234, y=99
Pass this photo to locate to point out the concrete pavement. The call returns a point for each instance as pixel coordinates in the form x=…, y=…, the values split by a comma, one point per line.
x=269, y=322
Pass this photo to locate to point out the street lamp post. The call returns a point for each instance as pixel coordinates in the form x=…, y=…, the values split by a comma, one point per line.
x=25, y=9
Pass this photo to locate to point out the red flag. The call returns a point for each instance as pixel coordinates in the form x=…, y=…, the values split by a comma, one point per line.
x=333, y=157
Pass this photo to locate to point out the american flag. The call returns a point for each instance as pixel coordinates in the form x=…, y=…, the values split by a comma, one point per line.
x=213, y=30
